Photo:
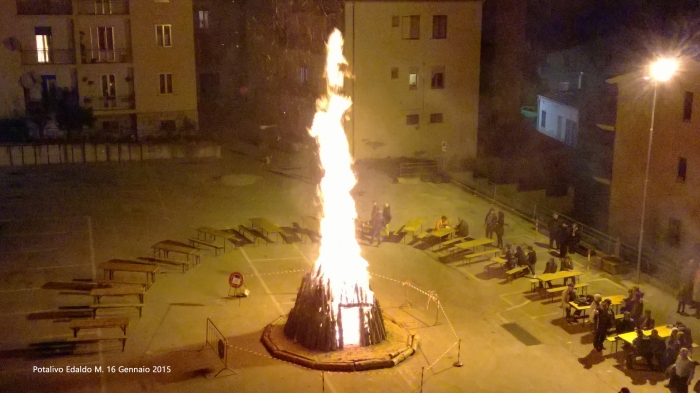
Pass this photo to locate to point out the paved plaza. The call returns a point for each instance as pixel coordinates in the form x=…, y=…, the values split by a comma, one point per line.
x=58, y=223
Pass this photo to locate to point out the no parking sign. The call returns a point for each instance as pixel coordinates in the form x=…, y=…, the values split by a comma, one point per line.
x=235, y=280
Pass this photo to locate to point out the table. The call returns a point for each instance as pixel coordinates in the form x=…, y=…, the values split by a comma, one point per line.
x=413, y=226
x=615, y=299
x=664, y=332
x=482, y=241
x=97, y=293
x=115, y=265
x=214, y=233
x=440, y=233
x=266, y=226
x=562, y=274
x=167, y=246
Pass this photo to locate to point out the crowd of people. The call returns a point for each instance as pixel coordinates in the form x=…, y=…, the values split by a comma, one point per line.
x=563, y=237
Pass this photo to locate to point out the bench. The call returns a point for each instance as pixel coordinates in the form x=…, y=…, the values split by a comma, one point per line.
x=95, y=307
x=533, y=284
x=512, y=274
x=78, y=324
x=145, y=285
x=154, y=260
x=558, y=290
x=194, y=242
x=81, y=340
x=470, y=257
x=450, y=243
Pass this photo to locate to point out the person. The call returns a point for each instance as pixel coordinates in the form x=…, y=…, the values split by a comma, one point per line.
x=685, y=296
x=375, y=209
x=442, y=222
x=569, y=295
x=604, y=318
x=642, y=347
x=377, y=226
x=685, y=336
x=696, y=293
x=490, y=222
x=673, y=347
x=633, y=303
x=646, y=322
x=386, y=215
x=567, y=265
x=624, y=390
x=595, y=306
x=531, y=260
x=564, y=235
x=553, y=229
x=682, y=373
x=462, y=227
x=520, y=256
x=510, y=257
x=499, y=230
x=658, y=349
x=574, y=239
x=550, y=267
x=626, y=324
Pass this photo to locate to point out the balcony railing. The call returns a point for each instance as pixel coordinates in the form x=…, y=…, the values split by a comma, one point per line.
x=103, y=7
x=96, y=56
x=44, y=7
x=51, y=56
x=102, y=103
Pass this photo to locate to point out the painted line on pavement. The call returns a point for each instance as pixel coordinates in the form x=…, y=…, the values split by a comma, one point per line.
x=267, y=290
x=302, y=254
x=509, y=294
x=275, y=259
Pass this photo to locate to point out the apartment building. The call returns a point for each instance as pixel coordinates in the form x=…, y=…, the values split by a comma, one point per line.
x=132, y=62
x=415, y=85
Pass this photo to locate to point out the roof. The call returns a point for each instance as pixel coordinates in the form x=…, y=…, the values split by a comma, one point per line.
x=570, y=98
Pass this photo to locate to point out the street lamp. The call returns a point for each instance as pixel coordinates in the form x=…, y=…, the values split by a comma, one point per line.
x=660, y=71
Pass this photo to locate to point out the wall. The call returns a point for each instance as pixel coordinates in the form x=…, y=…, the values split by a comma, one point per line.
x=555, y=109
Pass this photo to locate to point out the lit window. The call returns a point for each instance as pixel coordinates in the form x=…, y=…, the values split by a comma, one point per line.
x=439, y=26
x=394, y=73
x=688, y=106
x=43, y=44
x=203, y=19
x=411, y=120
x=163, y=35
x=304, y=75
x=412, y=81
x=166, y=83
x=436, y=117
x=682, y=167
x=411, y=27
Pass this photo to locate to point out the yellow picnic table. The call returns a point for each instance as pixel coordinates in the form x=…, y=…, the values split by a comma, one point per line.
x=121, y=266
x=167, y=246
x=413, y=226
x=615, y=300
x=482, y=241
x=266, y=226
x=562, y=274
x=97, y=293
x=214, y=233
x=664, y=331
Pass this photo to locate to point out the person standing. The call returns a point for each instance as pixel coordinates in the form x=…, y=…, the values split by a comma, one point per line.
x=490, y=222
x=499, y=231
x=531, y=260
x=375, y=209
x=564, y=235
x=603, y=322
x=683, y=372
x=553, y=229
x=386, y=215
x=574, y=239
x=377, y=226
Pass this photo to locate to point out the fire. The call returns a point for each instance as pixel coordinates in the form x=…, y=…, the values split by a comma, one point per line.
x=339, y=265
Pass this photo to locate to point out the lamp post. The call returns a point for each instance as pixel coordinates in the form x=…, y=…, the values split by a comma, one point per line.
x=660, y=71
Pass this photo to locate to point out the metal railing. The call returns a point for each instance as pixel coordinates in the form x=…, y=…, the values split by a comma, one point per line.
x=51, y=56
x=44, y=7
x=108, y=103
x=97, y=56
x=218, y=342
x=103, y=7
x=417, y=168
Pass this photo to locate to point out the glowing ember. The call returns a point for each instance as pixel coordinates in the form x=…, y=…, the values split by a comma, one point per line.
x=334, y=306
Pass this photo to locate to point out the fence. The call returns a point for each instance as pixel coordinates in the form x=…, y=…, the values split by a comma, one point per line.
x=536, y=211
x=417, y=168
x=216, y=341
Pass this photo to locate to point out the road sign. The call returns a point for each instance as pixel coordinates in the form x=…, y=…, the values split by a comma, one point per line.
x=235, y=280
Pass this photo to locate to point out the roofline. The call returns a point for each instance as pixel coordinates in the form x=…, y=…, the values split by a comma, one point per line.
x=414, y=1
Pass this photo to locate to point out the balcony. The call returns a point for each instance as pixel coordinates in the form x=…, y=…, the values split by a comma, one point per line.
x=52, y=56
x=103, y=7
x=44, y=7
x=110, y=103
x=98, y=56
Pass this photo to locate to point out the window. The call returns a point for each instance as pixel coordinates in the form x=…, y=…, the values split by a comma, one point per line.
x=571, y=133
x=168, y=126
x=412, y=81
x=109, y=91
x=439, y=26
x=163, y=35
x=682, y=166
x=543, y=119
x=203, y=17
x=411, y=27
x=395, y=21
x=105, y=44
x=303, y=75
x=394, y=73
x=674, y=232
x=560, y=127
x=437, y=78
x=411, y=120
x=103, y=7
x=436, y=117
x=166, y=83
x=43, y=43
x=688, y=106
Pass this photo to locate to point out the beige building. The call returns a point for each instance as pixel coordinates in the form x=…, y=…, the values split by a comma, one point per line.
x=672, y=222
x=132, y=62
x=416, y=78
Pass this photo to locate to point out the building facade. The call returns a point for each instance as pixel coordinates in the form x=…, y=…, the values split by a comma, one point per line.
x=415, y=84
x=132, y=62
x=671, y=225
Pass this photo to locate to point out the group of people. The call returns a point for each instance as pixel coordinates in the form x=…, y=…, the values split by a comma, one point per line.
x=381, y=217
x=495, y=223
x=562, y=236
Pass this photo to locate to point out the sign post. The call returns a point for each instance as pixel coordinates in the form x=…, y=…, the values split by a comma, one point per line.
x=236, y=282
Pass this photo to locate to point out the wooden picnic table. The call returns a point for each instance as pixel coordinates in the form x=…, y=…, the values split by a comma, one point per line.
x=97, y=293
x=312, y=223
x=482, y=241
x=266, y=226
x=440, y=233
x=616, y=300
x=214, y=233
x=562, y=274
x=121, y=266
x=167, y=246
x=664, y=331
x=413, y=226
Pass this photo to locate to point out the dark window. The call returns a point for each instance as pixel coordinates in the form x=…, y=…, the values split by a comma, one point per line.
x=674, y=232
x=411, y=120
x=682, y=166
x=436, y=117
x=437, y=81
x=166, y=83
x=688, y=106
x=543, y=119
x=411, y=27
x=439, y=26
x=304, y=75
x=395, y=21
x=168, y=125
x=394, y=73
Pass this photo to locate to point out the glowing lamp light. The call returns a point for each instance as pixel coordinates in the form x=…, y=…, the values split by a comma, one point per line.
x=663, y=69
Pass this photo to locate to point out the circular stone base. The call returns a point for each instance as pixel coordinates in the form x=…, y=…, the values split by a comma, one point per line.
x=388, y=353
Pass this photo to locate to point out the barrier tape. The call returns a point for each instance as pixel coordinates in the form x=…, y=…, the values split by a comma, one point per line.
x=272, y=273
x=443, y=355
x=448, y=320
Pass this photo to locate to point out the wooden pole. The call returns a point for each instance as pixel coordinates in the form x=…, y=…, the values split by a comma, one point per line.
x=458, y=363
x=422, y=370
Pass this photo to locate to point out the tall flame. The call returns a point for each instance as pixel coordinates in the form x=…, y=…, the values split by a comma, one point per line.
x=339, y=263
